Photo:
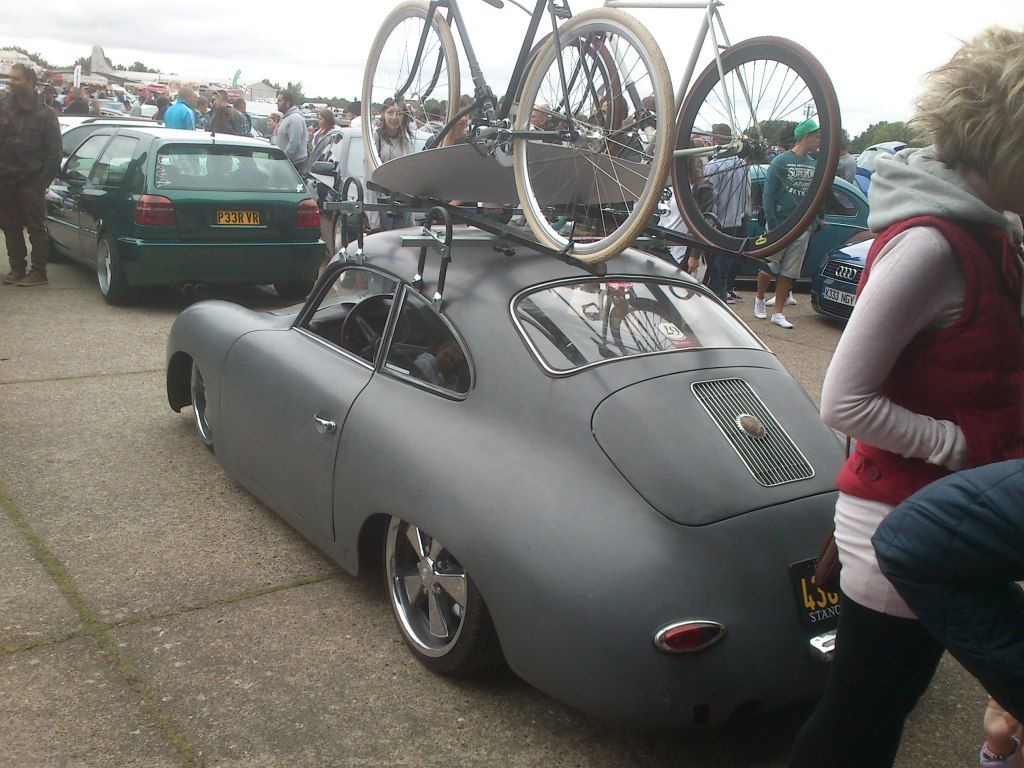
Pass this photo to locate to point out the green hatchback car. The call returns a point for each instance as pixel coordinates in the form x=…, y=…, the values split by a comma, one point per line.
x=156, y=206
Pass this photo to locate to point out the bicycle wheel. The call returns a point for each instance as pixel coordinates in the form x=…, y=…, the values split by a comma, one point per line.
x=643, y=325
x=591, y=192
x=604, y=81
x=432, y=96
x=770, y=85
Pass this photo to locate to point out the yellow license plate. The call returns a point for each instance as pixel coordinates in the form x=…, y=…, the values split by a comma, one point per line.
x=239, y=218
x=819, y=609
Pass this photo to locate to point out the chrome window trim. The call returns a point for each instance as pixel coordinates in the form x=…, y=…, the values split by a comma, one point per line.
x=559, y=373
x=334, y=347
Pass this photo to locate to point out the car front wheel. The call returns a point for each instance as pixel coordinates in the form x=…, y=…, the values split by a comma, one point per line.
x=439, y=611
x=199, y=406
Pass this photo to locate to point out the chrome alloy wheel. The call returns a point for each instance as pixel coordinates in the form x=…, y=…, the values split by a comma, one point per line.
x=103, y=266
x=199, y=406
x=428, y=589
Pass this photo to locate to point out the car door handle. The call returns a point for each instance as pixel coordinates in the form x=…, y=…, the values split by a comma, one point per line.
x=325, y=426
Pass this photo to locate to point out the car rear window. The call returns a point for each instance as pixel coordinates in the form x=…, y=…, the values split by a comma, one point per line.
x=225, y=169
x=576, y=324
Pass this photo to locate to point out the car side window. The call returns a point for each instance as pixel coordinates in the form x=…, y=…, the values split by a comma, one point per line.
x=426, y=349
x=81, y=162
x=840, y=204
x=354, y=311
x=74, y=137
x=112, y=166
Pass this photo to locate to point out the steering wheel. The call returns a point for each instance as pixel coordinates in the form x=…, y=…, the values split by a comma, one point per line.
x=364, y=325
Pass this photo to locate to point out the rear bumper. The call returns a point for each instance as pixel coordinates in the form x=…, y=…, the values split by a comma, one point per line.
x=146, y=262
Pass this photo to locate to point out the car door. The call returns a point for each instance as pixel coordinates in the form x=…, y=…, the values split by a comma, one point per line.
x=286, y=395
x=845, y=216
x=104, y=191
x=64, y=195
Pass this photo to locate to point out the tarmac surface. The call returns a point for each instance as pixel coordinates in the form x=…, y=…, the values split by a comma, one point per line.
x=153, y=613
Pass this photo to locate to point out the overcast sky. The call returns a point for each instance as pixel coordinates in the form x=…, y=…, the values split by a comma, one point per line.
x=875, y=50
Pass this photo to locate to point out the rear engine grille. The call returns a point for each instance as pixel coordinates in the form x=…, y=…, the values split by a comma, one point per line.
x=842, y=271
x=761, y=443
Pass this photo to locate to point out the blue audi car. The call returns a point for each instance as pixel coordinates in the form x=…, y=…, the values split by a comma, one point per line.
x=834, y=286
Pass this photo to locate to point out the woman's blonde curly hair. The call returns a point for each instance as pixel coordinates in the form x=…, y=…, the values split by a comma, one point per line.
x=972, y=109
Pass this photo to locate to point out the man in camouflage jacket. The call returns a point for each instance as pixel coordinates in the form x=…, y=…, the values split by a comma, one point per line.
x=30, y=154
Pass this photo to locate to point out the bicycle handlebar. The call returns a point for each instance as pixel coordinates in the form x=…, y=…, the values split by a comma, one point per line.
x=495, y=3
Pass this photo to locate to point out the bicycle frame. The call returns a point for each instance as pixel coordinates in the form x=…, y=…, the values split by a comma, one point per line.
x=482, y=91
x=498, y=121
x=707, y=27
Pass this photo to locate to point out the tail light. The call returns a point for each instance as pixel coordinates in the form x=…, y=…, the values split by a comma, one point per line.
x=688, y=636
x=155, y=211
x=308, y=215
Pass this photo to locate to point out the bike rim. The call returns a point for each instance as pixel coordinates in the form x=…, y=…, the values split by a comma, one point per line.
x=786, y=86
x=613, y=171
x=427, y=99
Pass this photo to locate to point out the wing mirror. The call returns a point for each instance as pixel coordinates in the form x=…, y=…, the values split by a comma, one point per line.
x=322, y=168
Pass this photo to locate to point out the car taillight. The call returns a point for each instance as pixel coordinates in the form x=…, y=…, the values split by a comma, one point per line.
x=155, y=211
x=308, y=215
x=688, y=636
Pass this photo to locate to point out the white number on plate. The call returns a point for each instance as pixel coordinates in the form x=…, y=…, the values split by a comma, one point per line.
x=841, y=297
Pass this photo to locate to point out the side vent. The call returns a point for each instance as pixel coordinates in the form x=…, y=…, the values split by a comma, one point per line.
x=757, y=437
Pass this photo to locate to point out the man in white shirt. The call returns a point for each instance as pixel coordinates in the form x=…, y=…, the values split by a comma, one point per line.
x=729, y=178
x=291, y=134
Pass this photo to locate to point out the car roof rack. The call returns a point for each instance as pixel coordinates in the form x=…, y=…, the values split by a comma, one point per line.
x=503, y=237
x=491, y=229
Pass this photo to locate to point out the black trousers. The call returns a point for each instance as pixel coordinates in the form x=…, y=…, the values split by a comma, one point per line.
x=881, y=666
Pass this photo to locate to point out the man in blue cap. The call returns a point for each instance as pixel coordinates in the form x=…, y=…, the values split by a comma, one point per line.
x=789, y=178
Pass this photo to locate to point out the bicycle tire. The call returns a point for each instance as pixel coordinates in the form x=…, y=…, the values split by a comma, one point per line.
x=819, y=87
x=608, y=245
x=410, y=9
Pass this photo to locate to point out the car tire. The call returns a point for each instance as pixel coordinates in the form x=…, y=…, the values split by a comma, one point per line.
x=295, y=290
x=439, y=611
x=197, y=387
x=113, y=285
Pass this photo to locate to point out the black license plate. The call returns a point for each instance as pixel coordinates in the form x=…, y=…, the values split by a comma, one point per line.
x=819, y=609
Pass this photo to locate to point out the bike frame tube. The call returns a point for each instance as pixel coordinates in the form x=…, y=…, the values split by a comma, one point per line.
x=477, y=75
x=519, y=71
x=710, y=8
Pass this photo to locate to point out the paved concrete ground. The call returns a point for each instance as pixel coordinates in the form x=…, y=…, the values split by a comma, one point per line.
x=153, y=613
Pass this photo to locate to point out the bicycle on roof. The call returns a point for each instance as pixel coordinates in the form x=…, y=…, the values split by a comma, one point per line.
x=583, y=121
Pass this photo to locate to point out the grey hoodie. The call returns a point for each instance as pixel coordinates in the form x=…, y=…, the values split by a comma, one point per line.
x=914, y=182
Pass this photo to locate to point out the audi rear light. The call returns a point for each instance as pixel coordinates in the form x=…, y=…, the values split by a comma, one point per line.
x=308, y=215
x=688, y=636
x=155, y=211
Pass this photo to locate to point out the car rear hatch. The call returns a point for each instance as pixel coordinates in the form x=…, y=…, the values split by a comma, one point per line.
x=232, y=194
x=705, y=446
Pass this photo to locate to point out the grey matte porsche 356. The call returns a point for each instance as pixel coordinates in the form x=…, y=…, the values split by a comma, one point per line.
x=606, y=480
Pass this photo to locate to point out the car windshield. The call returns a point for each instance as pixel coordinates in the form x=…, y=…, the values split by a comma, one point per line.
x=573, y=325
x=224, y=168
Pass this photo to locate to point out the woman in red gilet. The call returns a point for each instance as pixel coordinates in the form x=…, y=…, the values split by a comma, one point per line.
x=928, y=376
